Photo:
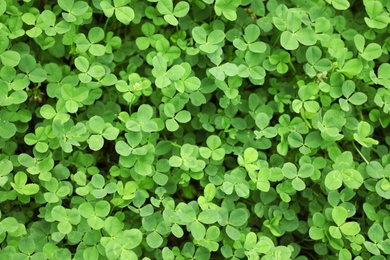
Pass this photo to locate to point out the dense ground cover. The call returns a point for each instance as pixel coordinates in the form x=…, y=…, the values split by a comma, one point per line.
x=199, y=129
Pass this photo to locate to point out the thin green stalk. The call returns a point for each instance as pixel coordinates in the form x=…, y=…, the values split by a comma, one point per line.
x=360, y=153
x=106, y=23
x=292, y=66
x=304, y=119
x=276, y=41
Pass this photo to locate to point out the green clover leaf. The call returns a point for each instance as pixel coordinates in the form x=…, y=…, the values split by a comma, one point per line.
x=20, y=185
x=125, y=14
x=363, y=130
x=208, y=43
x=377, y=17
x=165, y=7
x=227, y=8
x=339, y=4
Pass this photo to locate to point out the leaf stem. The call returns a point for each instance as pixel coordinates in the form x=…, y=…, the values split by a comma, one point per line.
x=360, y=153
x=304, y=119
x=106, y=23
x=292, y=66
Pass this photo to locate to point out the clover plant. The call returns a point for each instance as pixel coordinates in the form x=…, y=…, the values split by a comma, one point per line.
x=197, y=129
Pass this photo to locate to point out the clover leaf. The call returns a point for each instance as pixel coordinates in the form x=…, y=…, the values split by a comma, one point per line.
x=363, y=130
x=33, y=70
x=370, y=52
x=88, y=72
x=213, y=149
x=339, y=4
x=235, y=181
x=56, y=190
x=21, y=186
x=39, y=139
x=352, y=68
x=237, y=218
x=74, y=97
x=10, y=58
x=315, y=64
x=377, y=243
x=291, y=172
x=163, y=76
x=60, y=113
x=226, y=8
x=329, y=127
x=182, y=116
x=208, y=43
x=7, y=129
x=295, y=33
x=124, y=242
x=170, y=12
x=307, y=93
x=143, y=42
x=28, y=247
x=73, y=10
x=266, y=132
x=252, y=32
x=94, y=213
x=187, y=159
x=377, y=17
x=133, y=140
x=125, y=14
x=249, y=159
x=91, y=44
x=69, y=134
x=277, y=61
x=188, y=83
x=66, y=218
x=343, y=172
x=221, y=71
x=251, y=69
x=357, y=98
x=156, y=228
x=377, y=171
x=101, y=129
x=339, y=216
x=143, y=121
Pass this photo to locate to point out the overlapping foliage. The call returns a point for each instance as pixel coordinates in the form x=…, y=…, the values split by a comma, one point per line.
x=199, y=129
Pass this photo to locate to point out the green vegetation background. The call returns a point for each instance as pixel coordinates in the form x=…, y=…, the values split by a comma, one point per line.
x=198, y=129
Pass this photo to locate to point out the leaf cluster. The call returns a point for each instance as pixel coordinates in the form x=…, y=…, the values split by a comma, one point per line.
x=198, y=129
